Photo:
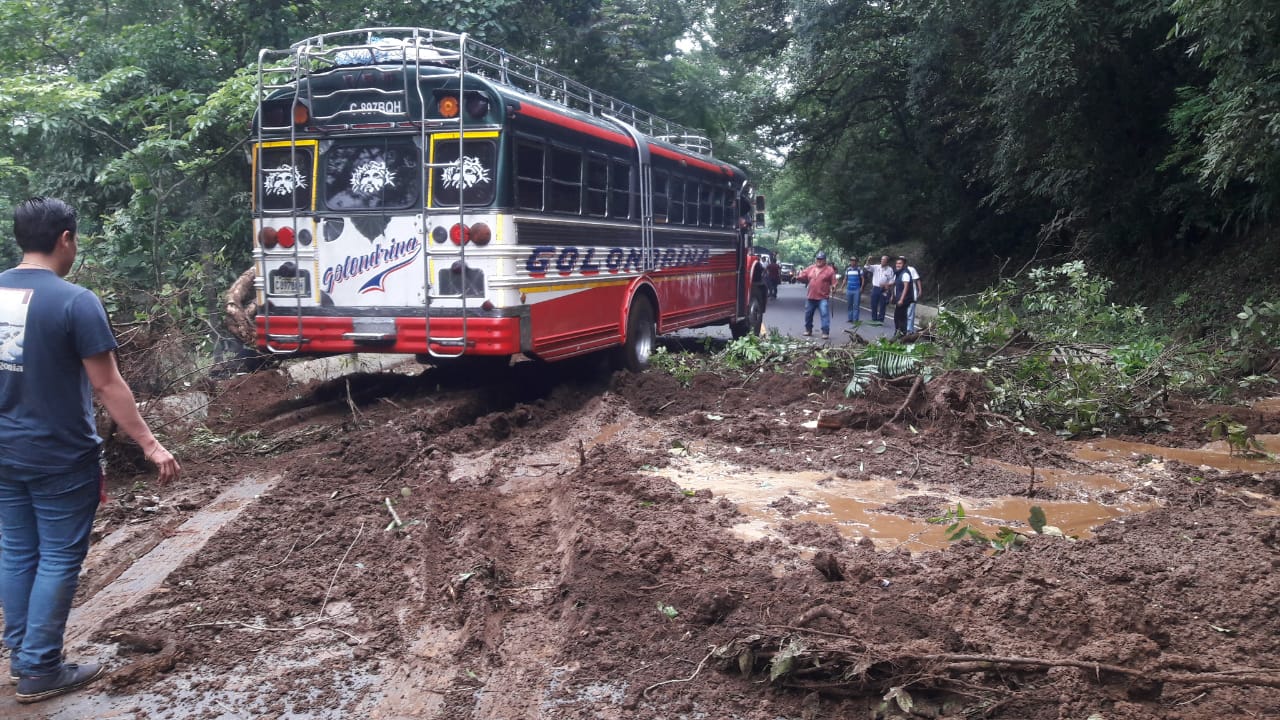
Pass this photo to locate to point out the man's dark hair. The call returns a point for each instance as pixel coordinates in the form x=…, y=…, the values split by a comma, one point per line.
x=38, y=222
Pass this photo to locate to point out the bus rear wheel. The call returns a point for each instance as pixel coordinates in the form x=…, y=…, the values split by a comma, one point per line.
x=642, y=335
x=751, y=324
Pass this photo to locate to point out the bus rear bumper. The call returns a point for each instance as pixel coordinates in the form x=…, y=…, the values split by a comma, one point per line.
x=315, y=335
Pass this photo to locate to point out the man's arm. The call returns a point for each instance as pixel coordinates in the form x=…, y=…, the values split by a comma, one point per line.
x=114, y=394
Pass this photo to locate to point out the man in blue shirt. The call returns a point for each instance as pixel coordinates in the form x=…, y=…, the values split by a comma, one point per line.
x=853, y=289
x=56, y=351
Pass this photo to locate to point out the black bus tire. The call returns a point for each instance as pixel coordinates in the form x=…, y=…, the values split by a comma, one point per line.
x=642, y=335
x=751, y=324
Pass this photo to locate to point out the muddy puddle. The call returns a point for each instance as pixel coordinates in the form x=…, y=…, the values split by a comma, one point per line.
x=869, y=506
x=862, y=507
x=1215, y=455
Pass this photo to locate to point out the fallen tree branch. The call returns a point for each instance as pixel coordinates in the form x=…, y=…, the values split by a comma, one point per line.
x=1240, y=676
x=645, y=693
x=911, y=394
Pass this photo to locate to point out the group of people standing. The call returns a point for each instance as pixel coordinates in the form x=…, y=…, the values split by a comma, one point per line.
x=897, y=284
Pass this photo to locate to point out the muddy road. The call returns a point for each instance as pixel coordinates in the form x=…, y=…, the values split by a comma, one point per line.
x=565, y=542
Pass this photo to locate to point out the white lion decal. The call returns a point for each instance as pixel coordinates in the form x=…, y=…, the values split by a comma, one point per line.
x=472, y=174
x=371, y=177
x=283, y=180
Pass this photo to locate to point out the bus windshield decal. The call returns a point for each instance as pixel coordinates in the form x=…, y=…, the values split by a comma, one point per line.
x=472, y=173
x=371, y=174
x=285, y=175
x=472, y=183
x=369, y=178
x=283, y=180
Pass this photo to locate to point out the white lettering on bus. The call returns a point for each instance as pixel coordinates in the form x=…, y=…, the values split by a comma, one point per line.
x=390, y=107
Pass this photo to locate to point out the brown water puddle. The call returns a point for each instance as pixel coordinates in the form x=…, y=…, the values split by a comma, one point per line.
x=1267, y=405
x=856, y=507
x=1214, y=455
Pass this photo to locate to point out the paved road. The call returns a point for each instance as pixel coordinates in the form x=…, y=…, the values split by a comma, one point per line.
x=786, y=315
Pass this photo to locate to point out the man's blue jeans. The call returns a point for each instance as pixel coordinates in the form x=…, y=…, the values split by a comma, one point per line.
x=824, y=315
x=911, y=318
x=879, y=303
x=855, y=305
x=45, y=520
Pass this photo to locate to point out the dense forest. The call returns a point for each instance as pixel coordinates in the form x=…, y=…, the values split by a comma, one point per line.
x=988, y=132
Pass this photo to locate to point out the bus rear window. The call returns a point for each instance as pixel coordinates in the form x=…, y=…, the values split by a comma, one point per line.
x=472, y=181
x=284, y=179
x=372, y=174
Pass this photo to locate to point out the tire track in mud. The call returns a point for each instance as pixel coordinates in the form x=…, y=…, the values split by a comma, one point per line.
x=134, y=584
x=441, y=409
x=515, y=632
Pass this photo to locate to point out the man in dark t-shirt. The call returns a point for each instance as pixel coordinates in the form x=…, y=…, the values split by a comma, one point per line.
x=904, y=295
x=56, y=351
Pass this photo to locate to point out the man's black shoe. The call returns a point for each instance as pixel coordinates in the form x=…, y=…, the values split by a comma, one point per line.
x=68, y=677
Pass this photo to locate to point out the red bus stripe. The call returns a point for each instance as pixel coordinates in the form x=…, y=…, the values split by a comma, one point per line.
x=554, y=118
x=719, y=169
x=534, y=111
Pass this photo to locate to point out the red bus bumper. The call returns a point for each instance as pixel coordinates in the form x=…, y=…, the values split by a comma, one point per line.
x=484, y=336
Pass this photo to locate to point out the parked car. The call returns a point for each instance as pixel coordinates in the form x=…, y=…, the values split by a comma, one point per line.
x=787, y=272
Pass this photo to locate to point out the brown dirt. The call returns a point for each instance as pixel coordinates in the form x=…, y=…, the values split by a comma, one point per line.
x=545, y=570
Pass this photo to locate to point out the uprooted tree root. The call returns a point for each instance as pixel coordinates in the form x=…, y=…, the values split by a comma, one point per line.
x=844, y=665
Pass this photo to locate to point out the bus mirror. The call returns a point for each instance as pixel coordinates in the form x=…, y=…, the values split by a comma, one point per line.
x=760, y=204
x=759, y=221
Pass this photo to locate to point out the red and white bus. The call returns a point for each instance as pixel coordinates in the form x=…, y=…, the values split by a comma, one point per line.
x=418, y=192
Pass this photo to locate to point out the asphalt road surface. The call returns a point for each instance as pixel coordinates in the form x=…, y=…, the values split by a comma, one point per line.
x=785, y=314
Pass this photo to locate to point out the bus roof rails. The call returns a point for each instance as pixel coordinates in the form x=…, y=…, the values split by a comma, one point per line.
x=423, y=46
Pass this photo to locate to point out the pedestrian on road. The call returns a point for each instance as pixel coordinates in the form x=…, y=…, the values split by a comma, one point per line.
x=911, y=310
x=55, y=344
x=904, y=290
x=882, y=277
x=821, y=279
x=774, y=277
x=853, y=289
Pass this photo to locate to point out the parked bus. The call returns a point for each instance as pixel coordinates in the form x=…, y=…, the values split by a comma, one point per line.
x=416, y=191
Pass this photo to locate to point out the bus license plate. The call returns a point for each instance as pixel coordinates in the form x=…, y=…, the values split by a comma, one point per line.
x=284, y=285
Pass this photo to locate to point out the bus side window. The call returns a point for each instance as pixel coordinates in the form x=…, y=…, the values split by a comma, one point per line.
x=660, y=196
x=676, y=194
x=704, y=205
x=730, y=209
x=597, y=185
x=717, y=207
x=620, y=195
x=566, y=181
x=691, y=202
x=529, y=174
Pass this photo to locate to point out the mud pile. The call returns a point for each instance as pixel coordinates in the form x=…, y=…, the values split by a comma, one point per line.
x=428, y=545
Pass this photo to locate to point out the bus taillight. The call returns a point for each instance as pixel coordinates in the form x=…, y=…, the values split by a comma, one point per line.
x=448, y=106
x=285, y=237
x=480, y=234
x=301, y=114
x=459, y=234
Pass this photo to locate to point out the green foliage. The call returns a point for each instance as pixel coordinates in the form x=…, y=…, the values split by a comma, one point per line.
x=1067, y=302
x=1227, y=128
x=892, y=358
x=680, y=365
x=1005, y=539
x=753, y=351
x=1240, y=440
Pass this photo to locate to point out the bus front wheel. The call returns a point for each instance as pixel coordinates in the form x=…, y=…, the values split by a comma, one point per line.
x=642, y=335
x=751, y=324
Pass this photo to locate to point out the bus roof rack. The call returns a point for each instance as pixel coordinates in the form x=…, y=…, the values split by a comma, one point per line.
x=423, y=46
